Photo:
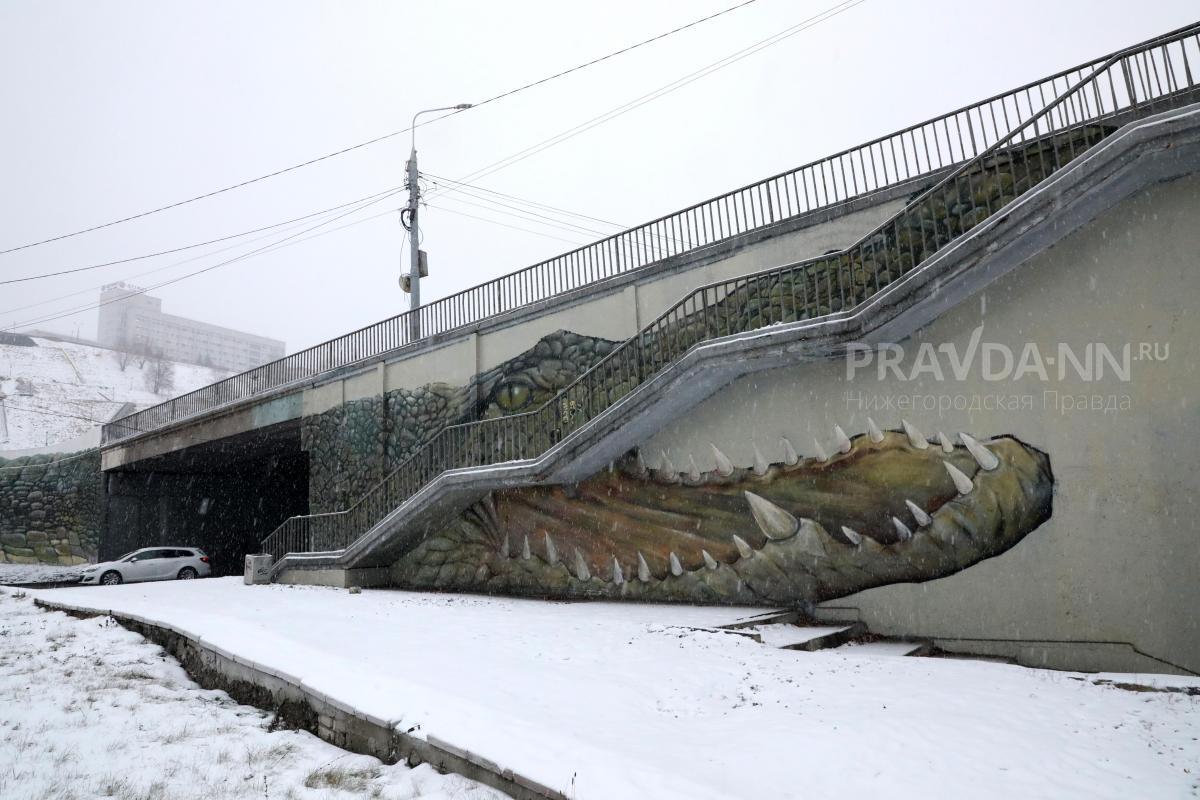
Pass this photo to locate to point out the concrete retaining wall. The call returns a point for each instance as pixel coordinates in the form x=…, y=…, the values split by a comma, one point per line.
x=300, y=706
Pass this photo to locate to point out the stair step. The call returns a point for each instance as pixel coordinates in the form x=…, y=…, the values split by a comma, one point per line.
x=804, y=637
x=884, y=647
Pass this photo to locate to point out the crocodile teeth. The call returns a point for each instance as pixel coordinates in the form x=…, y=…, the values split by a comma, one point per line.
x=961, y=482
x=639, y=464
x=643, y=569
x=676, y=567
x=709, y=561
x=551, y=551
x=525, y=554
x=724, y=465
x=617, y=576
x=873, y=431
x=581, y=568
x=902, y=530
x=947, y=445
x=790, y=456
x=915, y=437
x=693, y=473
x=986, y=459
x=760, y=463
x=812, y=538
x=743, y=548
x=820, y=451
x=775, y=522
x=504, y=547
x=918, y=513
x=843, y=441
x=854, y=536
x=666, y=470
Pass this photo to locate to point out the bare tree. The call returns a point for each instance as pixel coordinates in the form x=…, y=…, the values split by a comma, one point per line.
x=124, y=353
x=160, y=377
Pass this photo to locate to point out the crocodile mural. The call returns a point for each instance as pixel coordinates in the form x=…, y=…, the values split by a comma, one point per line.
x=885, y=507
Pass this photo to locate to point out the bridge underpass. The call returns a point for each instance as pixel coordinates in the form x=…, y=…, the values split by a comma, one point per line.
x=222, y=496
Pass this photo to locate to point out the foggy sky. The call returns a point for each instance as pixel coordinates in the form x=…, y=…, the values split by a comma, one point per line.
x=111, y=108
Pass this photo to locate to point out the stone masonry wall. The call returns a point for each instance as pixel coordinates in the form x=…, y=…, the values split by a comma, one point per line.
x=50, y=508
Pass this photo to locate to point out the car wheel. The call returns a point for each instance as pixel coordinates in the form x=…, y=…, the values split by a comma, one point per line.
x=187, y=574
x=111, y=578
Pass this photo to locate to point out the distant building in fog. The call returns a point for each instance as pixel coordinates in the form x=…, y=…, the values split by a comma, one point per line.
x=132, y=320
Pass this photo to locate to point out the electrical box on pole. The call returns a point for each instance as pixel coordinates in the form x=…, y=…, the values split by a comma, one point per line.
x=423, y=260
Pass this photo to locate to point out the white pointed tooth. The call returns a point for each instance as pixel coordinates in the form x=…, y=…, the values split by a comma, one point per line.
x=790, y=456
x=551, y=551
x=915, y=437
x=947, y=445
x=854, y=536
x=693, y=471
x=961, y=482
x=772, y=520
x=709, y=561
x=643, y=569
x=665, y=466
x=676, y=567
x=760, y=463
x=873, y=430
x=843, y=441
x=581, y=568
x=902, y=530
x=743, y=547
x=525, y=554
x=986, y=459
x=820, y=451
x=918, y=513
x=504, y=547
x=617, y=576
x=724, y=465
x=639, y=464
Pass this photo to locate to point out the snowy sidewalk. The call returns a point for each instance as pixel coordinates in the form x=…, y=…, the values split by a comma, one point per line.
x=89, y=709
x=606, y=700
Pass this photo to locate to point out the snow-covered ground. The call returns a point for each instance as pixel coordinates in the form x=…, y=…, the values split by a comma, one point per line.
x=73, y=380
x=610, y=700
x=89, y=709
x=11, y=574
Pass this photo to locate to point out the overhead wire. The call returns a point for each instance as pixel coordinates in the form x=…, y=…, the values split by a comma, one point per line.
x=662, y=91
x=209, y=268
x=218, y=240
x=377, y=139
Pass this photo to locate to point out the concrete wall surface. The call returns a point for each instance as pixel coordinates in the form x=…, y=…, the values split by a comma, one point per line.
x=1115, y=565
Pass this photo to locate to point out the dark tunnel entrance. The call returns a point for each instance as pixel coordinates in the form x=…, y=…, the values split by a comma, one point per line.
x=223, y=497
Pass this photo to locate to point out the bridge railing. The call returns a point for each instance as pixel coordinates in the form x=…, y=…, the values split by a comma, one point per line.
x=888, y=161
x=1130, y=84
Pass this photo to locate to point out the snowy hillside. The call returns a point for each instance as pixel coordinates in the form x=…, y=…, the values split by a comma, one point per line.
x=55, y=389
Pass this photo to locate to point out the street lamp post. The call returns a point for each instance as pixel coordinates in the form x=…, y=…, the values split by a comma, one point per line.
x=415, y=253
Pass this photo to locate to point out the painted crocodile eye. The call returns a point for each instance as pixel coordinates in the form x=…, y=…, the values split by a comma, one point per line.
x=512, y=396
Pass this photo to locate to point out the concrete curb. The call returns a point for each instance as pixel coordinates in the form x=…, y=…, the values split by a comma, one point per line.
x=298, y=705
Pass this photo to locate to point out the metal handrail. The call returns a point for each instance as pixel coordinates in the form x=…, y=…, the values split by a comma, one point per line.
x=1128, y=85
x=898, y=158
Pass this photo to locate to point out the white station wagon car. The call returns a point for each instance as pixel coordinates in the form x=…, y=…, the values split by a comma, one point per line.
x=151, y=564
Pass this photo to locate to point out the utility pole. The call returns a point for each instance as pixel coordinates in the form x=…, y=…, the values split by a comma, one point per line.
x=3, y=419
x=418, y=265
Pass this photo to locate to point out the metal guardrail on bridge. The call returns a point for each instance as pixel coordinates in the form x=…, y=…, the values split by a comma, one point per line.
x=919, y=150
x=1131, y=84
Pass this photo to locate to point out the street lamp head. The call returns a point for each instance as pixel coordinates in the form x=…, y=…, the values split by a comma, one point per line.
x=462, y=106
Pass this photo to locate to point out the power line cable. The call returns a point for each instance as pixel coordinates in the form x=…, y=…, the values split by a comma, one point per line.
x=377, y=139
x=154, y=271
x=528, y=216
x=197, y=244
x=505, y=224
x=242, y=257
x=666, y=89
x=469, y=187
